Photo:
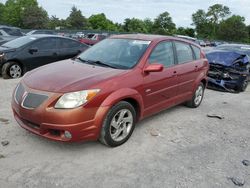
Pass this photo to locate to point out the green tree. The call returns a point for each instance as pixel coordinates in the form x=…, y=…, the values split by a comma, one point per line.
x=233, y=29
x=149, y=25
x=35, y=17
x=14, y=9
x=100, y=22
x=217, y=13
x=54, y=22
x=203, y=25
x=163, y=24
x=134, y=25
x=76, y=20
x=186, y=31
x=1, y=13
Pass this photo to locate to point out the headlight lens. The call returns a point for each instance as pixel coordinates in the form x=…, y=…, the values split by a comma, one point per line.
x=1, y=55
x=75, y=99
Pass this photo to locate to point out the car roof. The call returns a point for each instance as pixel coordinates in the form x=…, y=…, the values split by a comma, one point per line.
x=149, y=37
x=38, y=36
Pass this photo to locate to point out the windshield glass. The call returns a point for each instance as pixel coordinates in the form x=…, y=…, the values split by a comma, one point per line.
x=16, y=43
x=118, y=53
x=13, y=32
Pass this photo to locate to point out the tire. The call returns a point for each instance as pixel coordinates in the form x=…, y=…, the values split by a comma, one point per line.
x=243, y=86
x=197, y=97
x=11, y=70
x=121, y=130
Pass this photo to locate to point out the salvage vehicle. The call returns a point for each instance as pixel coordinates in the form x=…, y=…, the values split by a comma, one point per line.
x=9, y=33
x=241, y=48
x=26, y=53
x=228, y=70
x=91, y=39
x=107, y=89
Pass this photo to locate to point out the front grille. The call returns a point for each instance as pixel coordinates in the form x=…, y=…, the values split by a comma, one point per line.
x=19, y=93
x=33, y=100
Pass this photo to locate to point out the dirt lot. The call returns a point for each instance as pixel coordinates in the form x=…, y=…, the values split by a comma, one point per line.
x=191, y=151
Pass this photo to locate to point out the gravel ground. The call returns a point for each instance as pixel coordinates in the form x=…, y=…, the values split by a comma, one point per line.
x=192, y=150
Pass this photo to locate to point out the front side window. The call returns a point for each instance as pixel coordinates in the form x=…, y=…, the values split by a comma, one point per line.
x=184, y=52
x=163, y=54
x=46, y=44
x=197, y=52
x=118, y=53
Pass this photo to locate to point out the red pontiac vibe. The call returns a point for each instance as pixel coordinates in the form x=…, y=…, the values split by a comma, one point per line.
x=101, y=94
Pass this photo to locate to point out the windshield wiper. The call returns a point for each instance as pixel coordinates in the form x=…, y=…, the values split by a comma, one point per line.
x=103, y=64
x=95, y=62
x=83, y=60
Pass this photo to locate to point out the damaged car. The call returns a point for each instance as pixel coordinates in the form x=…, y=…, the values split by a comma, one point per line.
x=228, y=70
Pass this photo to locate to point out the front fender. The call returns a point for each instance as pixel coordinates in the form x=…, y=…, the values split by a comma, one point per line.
x=122, y=94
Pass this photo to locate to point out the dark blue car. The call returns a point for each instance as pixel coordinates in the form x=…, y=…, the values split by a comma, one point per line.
x=228, y=70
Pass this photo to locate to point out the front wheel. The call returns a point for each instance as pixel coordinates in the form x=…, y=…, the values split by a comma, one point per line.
x=197, y=98
x=243, y=86
x=11, y=70
x=118, y=125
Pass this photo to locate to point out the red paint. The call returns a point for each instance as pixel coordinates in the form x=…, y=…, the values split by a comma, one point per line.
x=152, y=87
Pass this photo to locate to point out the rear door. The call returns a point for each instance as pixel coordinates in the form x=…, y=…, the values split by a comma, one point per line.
x=160, y=88
x=46, y=51
x=69, y=48
x=186, y=68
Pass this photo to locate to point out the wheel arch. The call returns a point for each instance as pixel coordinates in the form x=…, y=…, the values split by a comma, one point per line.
x=129, y=95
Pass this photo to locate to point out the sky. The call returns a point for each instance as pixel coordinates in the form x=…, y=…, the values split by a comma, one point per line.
x=118, y=10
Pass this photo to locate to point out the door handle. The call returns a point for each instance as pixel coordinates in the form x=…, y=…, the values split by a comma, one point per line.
x=174, y=74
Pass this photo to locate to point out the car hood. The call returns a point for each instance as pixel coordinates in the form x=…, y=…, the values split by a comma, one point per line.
x=68, y=76
x=5, y=50
x=226, y=57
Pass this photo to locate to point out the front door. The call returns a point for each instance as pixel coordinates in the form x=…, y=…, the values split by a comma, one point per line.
x=44, y=51
x=160, y=88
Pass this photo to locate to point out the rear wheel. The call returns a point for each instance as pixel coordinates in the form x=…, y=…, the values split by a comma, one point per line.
x=197, y=98
x=118, y=125
x=12, y=70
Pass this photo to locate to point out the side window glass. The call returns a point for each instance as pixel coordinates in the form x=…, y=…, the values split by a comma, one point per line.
x=163, y=54
x=184, y=52
x=46, y=44
x=197, y=52
x=66, y=43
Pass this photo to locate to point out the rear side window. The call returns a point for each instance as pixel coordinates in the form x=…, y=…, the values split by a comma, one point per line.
x=163, y=54
x=197, y=52
x=184, y=52
x=67, y=43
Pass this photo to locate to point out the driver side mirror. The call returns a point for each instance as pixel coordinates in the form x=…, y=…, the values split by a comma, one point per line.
x=154, y=68
x=33, y=50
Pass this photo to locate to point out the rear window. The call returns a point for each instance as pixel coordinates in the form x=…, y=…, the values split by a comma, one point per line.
x=197, y=52
x=67, y=43
x=184, y=52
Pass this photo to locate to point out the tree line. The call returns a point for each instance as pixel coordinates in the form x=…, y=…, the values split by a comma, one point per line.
x=216, y=23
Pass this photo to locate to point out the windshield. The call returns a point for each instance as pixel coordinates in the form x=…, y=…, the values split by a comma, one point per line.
x=118, y=53
x=16, y=43
x=13, y=32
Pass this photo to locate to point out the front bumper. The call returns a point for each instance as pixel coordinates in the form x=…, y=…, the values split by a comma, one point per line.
x=84, y=124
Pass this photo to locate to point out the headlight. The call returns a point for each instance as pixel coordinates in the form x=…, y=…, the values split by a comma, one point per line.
x=75, y=99
x=1, y=55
